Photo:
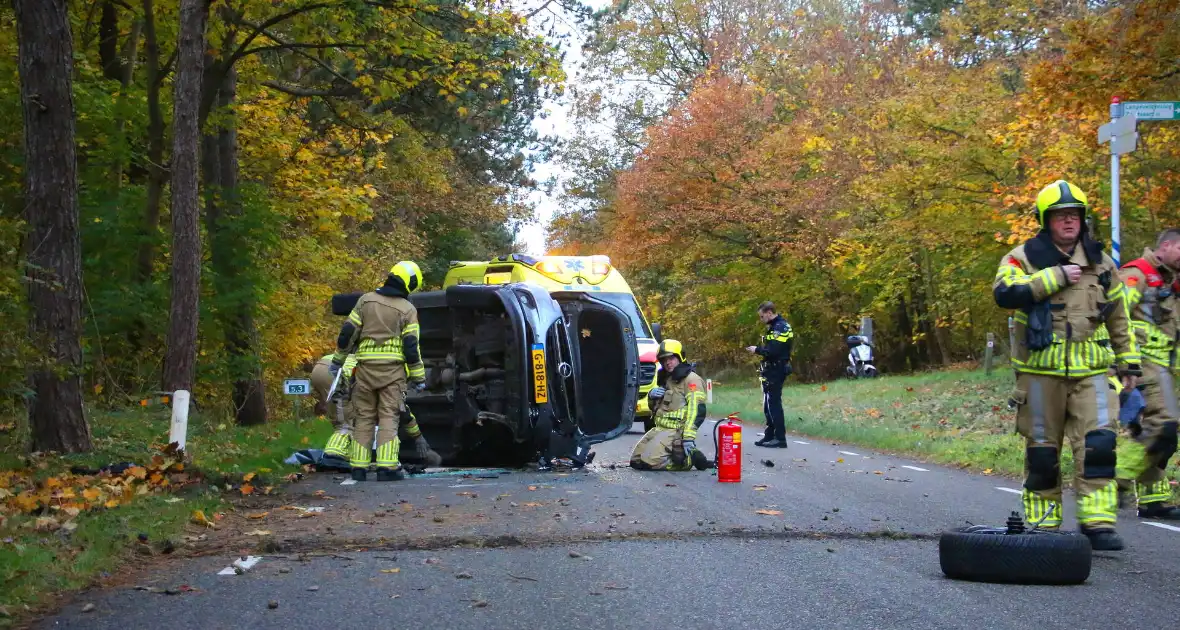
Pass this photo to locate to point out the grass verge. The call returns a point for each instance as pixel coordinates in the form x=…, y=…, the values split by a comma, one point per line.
x=38, y=565
x=957, y=417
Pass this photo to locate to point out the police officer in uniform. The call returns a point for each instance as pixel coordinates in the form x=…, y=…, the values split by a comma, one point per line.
x=1063, y=288
x=776, y=366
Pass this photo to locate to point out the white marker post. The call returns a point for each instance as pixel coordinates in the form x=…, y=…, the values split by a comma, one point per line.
x=179, y=431
x=709, y=391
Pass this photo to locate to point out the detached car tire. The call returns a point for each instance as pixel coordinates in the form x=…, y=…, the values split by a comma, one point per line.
x=989, y=554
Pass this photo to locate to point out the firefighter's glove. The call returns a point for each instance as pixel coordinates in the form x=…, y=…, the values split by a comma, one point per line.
x=689, y=447
x=420, y=386
x=657, y=393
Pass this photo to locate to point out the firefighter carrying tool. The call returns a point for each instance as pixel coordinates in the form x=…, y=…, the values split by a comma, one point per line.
x=678, y=402
x=1151, y=292
x=1063, y=287
x=383, y=329
x=339, y=444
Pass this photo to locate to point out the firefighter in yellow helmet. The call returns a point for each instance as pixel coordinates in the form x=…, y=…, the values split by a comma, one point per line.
x=383, y=331
x=1152, y=283
x=1063, y=287
x=678, y=407
x=339, y=447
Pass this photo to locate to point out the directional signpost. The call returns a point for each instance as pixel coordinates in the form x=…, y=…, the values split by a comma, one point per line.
x=1123, y=137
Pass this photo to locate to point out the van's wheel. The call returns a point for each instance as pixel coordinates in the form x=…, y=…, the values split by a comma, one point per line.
x=990, y=554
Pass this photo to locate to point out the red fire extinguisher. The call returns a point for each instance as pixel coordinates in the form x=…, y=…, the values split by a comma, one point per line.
x=727, y=439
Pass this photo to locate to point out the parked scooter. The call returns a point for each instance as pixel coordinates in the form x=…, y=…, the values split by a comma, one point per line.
x=860, y=357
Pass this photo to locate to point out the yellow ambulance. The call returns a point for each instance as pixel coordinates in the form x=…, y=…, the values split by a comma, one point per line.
x=571, y=276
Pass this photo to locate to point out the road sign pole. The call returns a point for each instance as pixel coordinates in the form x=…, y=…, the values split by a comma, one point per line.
x=1116, y=112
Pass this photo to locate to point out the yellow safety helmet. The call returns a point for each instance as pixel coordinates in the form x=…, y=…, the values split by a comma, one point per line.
x=408, y=272
x=1061, y=195
x=671, y=347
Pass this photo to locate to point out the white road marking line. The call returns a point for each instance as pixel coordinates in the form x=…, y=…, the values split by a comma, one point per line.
x=916, y=468
x=348, y=482
x=1163, y=526
x=850, y=453
x=1008, y=490
x=246, y=564
x=800, y=442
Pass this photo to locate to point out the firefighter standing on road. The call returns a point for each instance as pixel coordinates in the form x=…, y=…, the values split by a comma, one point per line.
x=1151, y=284
x=1063, y=288
x=383, y=328
x=678, y=406
x=776, y=366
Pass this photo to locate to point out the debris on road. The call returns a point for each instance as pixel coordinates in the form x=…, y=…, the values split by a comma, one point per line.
x=393, y=570
x=768, y=463
x=272, y=604
x=88, y=608
x=463, y=575
x=769, y=512
x=479, y=603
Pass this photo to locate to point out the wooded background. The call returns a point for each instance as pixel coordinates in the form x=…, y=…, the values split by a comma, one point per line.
x=846, y=159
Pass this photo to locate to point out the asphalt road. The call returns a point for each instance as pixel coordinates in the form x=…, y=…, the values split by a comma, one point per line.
x=848, y=540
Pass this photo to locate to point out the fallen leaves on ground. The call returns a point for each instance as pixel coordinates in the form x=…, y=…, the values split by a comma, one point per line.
x=259, y=532
x=769, y=512
x=58, y=499
x=760, y=486
x=393, y=570
x=257, y=515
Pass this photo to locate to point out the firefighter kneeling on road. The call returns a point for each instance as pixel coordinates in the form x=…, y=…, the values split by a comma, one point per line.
x=678, y=406
x=339, y=445
x=383, y=327
x=1063, y=287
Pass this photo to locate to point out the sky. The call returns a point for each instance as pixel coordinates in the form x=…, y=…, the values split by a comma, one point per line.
x=532, y=236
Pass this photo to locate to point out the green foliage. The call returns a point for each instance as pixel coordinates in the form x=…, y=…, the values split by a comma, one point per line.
x=365, y=133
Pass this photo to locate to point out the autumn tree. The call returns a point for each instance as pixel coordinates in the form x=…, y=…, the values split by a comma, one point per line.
x=54, y=258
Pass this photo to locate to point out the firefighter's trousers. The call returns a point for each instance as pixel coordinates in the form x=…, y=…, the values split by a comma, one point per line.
x=1084, y=410
x=377, y=399
x=656, y=450
x=1144, y=458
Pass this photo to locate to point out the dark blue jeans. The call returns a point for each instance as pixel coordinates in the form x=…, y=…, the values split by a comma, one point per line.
x=772, y=406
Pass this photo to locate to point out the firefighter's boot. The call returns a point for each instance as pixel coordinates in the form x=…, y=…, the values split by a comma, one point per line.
x=388, y=466
x=386, y=474
x=1104, y=539
x=1160, y=511
x=359, y=460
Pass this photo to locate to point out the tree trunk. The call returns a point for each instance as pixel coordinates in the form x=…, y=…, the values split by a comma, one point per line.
x=922, y=317
x=941, y=339
x=906, y=328
x=54, y=243
x=157, y=176
x=126, y=74
x=232, y=264
x=180, y=361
